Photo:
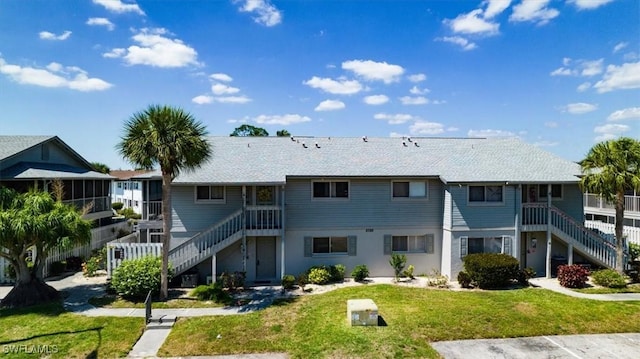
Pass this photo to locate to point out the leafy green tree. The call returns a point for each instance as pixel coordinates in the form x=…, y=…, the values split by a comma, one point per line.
x=249, y=131
x=174, y=140
x=283, y=133
x=101, y=167
x=36, y=221
x=611, y=168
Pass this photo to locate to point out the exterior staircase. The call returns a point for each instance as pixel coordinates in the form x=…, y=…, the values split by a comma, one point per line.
x=253, y=221
x=594, y=247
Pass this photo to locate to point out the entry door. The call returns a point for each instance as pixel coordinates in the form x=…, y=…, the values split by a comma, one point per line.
x=265, y=258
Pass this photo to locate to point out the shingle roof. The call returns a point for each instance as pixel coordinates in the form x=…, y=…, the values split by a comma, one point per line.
x=127, y=174
x=273, y=159
x=12, y=145
x=36, y=170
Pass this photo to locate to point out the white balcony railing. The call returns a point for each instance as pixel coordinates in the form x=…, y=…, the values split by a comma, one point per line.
x=631, y=203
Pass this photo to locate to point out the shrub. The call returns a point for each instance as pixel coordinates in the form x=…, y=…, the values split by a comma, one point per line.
x=319, y=275
x=129, y=213
x=74, y=263
x=609, y=278
x=337, y=272
x=572, y=276
x=57, y=267
x=491, y=270
x=213, y=291
x=397, y=262
x=117, y=205
x=288, y=281
x=464, y=279
x=634, y=252
x=436, y=279
x=525, y=274
x=233, y=280
x=134, y=278
x=97, y=261
x=360, y=272
x=302, y=280
x=409, y=272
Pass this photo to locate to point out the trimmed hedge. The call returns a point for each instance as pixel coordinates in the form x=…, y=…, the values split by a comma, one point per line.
x=491, y=270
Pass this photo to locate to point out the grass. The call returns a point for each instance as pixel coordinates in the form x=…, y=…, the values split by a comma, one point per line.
x=631, y=288
x=53, y=331
x=114, y=301
x=316, y=326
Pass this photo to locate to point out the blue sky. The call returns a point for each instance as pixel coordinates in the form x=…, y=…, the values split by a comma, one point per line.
x=559, y=74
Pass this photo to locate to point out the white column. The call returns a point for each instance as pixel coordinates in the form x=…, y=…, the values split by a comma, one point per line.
x=214, y=275
x=282, y=233
x=570, y=253
x=548, y=267
x=244, y=229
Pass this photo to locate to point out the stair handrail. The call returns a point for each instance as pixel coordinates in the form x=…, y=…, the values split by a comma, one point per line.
x=581, y=227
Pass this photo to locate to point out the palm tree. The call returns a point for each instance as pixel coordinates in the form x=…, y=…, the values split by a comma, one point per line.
x=174, y=140
x=611, y=168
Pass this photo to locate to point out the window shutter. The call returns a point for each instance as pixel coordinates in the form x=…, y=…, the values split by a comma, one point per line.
x=463, y=246
x=307, y=246
x=430, y=243
x=387, y=244
x=351, y=245
x=506, y=245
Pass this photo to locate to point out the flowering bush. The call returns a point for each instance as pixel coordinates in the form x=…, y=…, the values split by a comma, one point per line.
x=572, y=276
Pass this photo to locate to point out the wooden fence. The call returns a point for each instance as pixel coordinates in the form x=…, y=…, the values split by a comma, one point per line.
x=118, y=252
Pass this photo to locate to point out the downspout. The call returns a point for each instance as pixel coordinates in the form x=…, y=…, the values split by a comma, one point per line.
x=282, y=232
x=518, y=208
x=244, y=229
x=548, y=266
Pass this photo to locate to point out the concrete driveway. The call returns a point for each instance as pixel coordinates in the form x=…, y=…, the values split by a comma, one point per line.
x=622, y=346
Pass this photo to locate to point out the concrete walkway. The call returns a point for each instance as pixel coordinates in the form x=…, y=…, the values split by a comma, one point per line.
x=554, y=285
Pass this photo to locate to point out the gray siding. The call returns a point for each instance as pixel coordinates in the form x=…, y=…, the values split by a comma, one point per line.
x=571, y=202
x=369, y=205
x=478, y=216
x=56, y=155
x=190, y=217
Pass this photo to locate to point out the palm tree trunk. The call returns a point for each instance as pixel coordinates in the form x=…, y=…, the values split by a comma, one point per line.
x=619, y=232
x=166, y=235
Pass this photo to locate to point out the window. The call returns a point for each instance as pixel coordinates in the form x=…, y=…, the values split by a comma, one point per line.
x=471, y=245
x=334, y=245
x=119, y=184
x=409, y=189
x=485, y=194
x=409, y=244
x=210, y=194
x=331, y=189
x=556, y=191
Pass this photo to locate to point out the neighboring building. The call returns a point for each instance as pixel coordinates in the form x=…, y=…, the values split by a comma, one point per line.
x=127, y=190
x=36, y=161
x=597, y=209
x=272, y=206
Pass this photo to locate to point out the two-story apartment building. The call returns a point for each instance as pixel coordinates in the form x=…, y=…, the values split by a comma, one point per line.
x=272, y=206
x=126, y=189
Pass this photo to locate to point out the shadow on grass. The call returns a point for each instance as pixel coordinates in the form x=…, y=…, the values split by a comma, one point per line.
x=381, y=321
x=91, y=355
x=51, y=309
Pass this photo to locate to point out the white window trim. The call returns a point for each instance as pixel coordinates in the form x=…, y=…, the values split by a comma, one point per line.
x=410, y=251
x=313, y=198
x=409, y=198
x=485, y=203
x=209, y=201
x=329, y=254
x=543, y=198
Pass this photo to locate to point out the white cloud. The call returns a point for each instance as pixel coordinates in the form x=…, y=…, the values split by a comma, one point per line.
x=330, y=105
x=579, y=108
x=285, y=120
x=426, y=128
x=609, y=131
x=340, y=87
x=100, y=21
x=589, y=4
x=376, y=99
x=221, y=77
x=232, y=99
x=202, y=99
x=619, y=46
x=584, y=86
x=631, y=56
x=119, y=7
x=264, y=12
x=372, y=71
x=415, y=90
x=465, y=44
x=157, y=50
x=533, y=11
x=46, y=35
x=221, y=89
x=551, y=124
x=417, y=77
x=490, y=133
x=54, y=75
x=472, y=23
x=624, y=77
x=395, y=119
x=418, y=100
x=562, y=71
x=495, y=7
x=584, y=68
x=631, y=113
x=591, y=68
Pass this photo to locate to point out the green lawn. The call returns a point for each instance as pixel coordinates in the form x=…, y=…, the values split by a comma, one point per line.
x=316, y=325
x=113, y=301
x=51, y=330
x=631, y=288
